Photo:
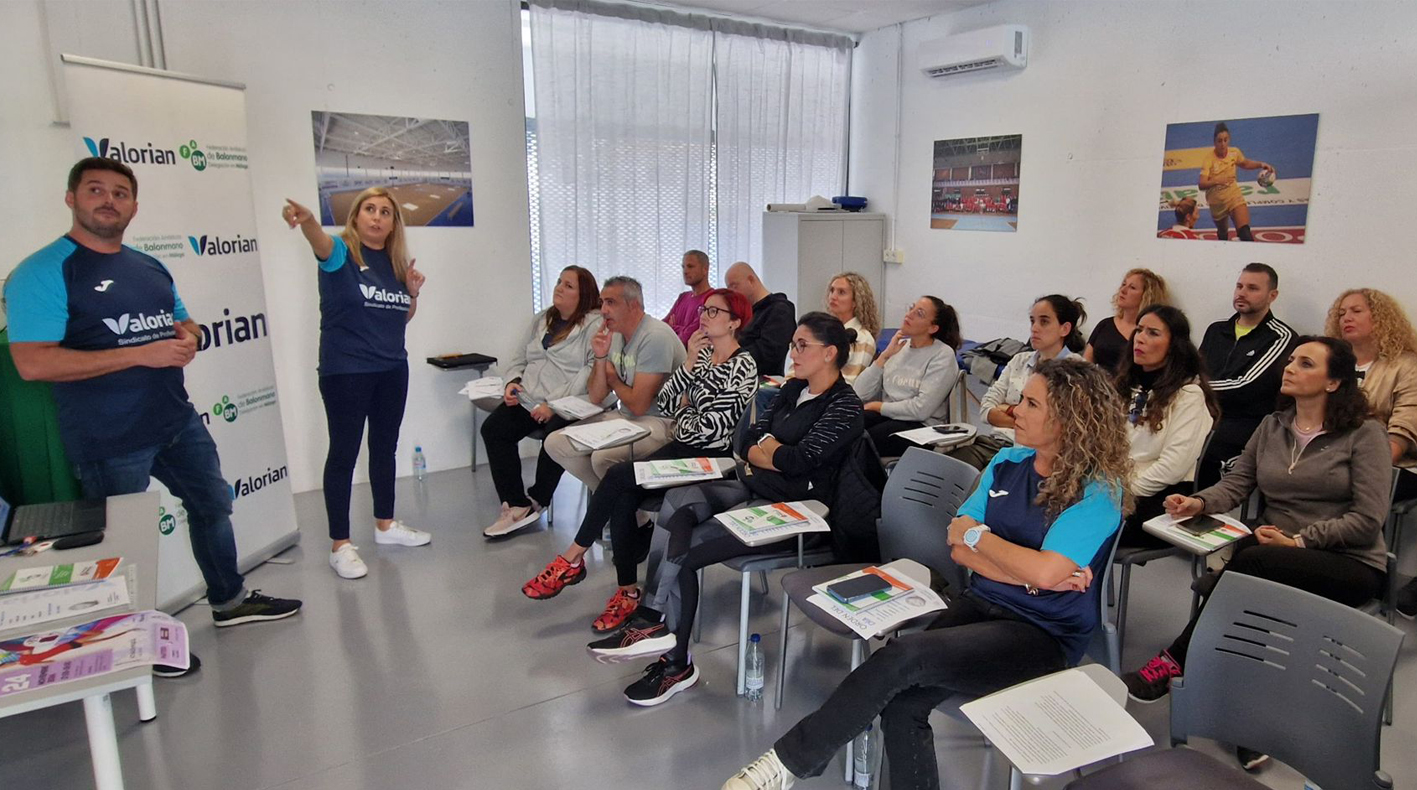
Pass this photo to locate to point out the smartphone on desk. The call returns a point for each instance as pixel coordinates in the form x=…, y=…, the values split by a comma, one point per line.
x=950, y=430
x=1200, y=525
x=853, y=590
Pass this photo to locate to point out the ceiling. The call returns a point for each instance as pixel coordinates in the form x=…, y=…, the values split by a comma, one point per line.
x=412, y=142
x=848, y=16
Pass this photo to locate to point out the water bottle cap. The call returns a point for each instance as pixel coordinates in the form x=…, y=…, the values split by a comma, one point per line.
x=870, y=727
x=755, y=638
x=418, y=448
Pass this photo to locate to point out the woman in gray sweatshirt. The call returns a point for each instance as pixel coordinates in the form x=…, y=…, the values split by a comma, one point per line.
x=908, y=386
x=1324, y=472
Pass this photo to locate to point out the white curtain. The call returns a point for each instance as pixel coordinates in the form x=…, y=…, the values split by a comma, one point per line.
x=782, y=116
x=624, y=108
x=657, y=131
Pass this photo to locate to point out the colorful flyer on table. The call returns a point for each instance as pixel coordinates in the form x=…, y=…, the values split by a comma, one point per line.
x=94, y=648
x=55, y=575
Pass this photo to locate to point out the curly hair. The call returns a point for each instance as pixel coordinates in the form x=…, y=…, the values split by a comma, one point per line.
x=1346, y=407
x=1153, y=286
x=1391, y=328
x=1182, y=366
x=864, y=300
x=1095, y=446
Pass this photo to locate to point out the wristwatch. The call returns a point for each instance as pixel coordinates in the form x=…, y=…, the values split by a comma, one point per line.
x=973, y=534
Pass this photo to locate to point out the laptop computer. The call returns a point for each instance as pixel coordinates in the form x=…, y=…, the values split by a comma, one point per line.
x=52, y=520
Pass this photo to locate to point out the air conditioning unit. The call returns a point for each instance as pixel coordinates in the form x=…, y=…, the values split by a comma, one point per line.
x=1004, y=47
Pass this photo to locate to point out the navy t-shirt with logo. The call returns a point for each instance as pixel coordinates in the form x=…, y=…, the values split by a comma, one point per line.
x=86, y=300
x=363, y=313
x=1005, y=501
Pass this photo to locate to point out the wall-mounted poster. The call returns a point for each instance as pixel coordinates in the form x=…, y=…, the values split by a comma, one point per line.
x=424, y=162
x=974, y=185
x=1240, y=179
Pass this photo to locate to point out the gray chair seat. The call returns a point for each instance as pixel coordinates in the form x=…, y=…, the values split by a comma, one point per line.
x=753, y=563
x=1180, y=768
x=798, y=587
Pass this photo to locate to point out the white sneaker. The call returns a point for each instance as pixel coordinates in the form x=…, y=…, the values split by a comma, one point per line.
x=513, y=519
x=765, y=773
x=401, y=534
x=347, y=564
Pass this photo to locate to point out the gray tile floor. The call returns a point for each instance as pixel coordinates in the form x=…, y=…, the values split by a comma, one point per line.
x=435, y=672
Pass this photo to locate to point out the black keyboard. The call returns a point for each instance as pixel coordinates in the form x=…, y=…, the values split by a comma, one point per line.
x=56, y=519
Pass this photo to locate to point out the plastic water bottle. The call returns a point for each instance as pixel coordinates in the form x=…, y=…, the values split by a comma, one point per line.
x=420, y=464
x=863, y=757
x=1309, y=785
x=754, y=672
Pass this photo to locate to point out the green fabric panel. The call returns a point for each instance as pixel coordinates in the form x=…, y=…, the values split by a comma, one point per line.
x=33, y=466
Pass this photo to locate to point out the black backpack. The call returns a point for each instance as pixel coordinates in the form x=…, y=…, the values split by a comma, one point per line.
x=855, y=503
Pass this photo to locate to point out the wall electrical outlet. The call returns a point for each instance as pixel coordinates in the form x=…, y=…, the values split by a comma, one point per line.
x=896, y=255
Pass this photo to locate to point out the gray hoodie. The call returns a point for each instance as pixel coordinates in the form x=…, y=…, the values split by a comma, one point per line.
x=1334, y=493
x=914, y=385
x=556, y=372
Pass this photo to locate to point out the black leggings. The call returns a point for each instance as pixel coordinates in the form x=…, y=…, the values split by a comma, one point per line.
x=616, y=501
x=501, y=430
x=883, y=429
x=350, y=400
x=973, y=647
x=1337, y=577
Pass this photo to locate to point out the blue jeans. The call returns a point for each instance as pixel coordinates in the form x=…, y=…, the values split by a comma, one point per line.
x=189, y=467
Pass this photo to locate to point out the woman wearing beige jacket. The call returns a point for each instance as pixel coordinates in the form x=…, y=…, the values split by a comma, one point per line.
x=1386, y=347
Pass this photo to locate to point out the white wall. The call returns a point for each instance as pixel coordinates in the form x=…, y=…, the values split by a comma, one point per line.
x=450, y=59
x=1103, y=80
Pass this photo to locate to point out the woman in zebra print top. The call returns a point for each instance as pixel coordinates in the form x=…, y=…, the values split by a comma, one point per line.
x=706, y=397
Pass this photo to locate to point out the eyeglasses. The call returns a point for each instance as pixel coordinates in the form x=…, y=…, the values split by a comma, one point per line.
x=800, y=346
x=712, y=312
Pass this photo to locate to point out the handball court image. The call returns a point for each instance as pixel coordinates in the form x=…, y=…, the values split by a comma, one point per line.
x=423, y=161
x=975, y=183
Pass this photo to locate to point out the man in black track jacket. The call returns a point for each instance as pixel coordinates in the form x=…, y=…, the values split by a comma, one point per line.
x=1245, y=357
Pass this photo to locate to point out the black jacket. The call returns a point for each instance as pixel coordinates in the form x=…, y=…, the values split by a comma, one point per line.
x=767, y=335
x=1245, y=373
x=815, y=437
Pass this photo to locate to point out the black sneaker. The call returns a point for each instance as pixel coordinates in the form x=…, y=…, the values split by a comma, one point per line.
x=643, y=635
x=255, y=608
x=1250, y=759
x=165, y=671
x=1405, y=600
x=661, y=681
x=1153, y=681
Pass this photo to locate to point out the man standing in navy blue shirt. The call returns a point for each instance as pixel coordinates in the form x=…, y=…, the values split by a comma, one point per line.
x=105, y=324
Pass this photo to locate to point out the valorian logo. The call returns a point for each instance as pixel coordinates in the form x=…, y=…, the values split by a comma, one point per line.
x=129, y=154
x=378, y=294
x=216, y=245
x=141, y=322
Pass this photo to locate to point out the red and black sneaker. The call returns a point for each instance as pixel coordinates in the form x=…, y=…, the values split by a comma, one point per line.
x=553, y=579
x=617, y=610
x=643, y=635
x=1153, y=681
x=661, y=681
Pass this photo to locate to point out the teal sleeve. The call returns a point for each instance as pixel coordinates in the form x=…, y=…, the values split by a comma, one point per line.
x=179, y=310
x=37, y=303
x=975, y=505
x=338, y=254
x=1080, y=530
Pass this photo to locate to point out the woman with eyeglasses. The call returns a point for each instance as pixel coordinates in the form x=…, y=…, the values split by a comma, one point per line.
x=1170, y=412
x=705, y=397
x=908, y=386
x=791, y=453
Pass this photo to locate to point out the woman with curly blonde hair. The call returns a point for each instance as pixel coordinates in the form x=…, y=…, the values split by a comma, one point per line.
x=1111, y=339
x=850, y=298
x=1031, y=606
x=1385, y=346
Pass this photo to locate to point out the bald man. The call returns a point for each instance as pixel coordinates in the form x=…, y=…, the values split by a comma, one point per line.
x=774, y=319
